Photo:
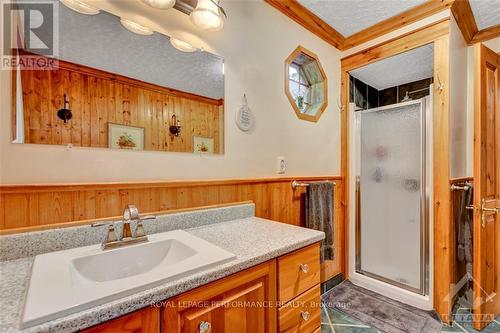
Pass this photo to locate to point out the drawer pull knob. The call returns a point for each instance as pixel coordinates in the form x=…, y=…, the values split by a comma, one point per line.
x=305, y=315
x=304, y=268
x=205, y=327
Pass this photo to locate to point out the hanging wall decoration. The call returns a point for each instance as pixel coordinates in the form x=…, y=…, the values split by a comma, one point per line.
x=244, y=116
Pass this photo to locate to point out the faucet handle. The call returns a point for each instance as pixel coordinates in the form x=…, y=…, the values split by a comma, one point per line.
x=111, y=235
x=127, y=229
x=131, y=213
x=139, y=231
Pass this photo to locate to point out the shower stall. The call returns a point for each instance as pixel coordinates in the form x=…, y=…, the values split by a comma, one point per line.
x=391, y=180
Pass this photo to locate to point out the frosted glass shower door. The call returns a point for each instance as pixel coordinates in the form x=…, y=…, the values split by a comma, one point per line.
x=391, y=194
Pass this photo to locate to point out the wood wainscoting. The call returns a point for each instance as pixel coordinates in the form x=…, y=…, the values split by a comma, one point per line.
x=97, y=98
x=35, y=207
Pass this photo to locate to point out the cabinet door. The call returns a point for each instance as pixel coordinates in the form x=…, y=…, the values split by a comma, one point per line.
x=142, y=321
x=243, y=302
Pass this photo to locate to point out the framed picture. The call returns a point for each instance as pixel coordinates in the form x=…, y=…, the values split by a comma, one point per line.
x=125, y=137
x=203, y=145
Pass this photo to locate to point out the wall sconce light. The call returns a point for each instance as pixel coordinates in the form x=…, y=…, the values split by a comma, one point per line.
x=175, y=126
x=65, y=113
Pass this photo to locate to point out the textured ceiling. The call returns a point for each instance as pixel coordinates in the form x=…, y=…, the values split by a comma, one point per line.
x=486, y=12
x=351, y=16
x=100, y=41
x=413, y=65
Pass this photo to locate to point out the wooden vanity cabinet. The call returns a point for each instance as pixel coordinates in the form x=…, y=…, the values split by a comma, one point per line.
x=243, y=303
x=299, y=291
x=280, y=295
x=146, y=320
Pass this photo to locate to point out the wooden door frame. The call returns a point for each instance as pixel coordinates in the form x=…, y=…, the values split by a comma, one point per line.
x=437, y=33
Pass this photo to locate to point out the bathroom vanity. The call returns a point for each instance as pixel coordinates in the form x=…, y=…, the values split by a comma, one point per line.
x=272, y=284
x=242, y=302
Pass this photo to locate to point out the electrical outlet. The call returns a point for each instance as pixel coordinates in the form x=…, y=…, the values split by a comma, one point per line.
x=280, y=165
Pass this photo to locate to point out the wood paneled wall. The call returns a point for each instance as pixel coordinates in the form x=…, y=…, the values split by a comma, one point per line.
x=97, y=98
x=33, y=207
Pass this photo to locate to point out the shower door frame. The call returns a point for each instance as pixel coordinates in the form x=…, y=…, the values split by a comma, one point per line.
x=441, y=226
x=424, y=202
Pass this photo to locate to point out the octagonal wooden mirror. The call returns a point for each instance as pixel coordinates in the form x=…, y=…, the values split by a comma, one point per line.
x=306, y=84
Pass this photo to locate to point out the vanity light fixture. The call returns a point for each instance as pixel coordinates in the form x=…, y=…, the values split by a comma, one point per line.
x=160, y=4
x=182, y=45
x=80, y=7
x=175, y=126
x=136, y=28
x=207, y=15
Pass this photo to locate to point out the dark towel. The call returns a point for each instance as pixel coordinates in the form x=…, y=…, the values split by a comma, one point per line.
x=464, y=223
x=319, y=214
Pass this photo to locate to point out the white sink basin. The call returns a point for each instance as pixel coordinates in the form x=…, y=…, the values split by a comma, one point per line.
x=130, y=261
x=69, y=281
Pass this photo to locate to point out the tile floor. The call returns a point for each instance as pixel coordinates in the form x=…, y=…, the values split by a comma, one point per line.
x=335, y=321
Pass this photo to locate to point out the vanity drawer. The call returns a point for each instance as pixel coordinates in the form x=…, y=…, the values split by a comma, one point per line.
x=142, y=321
x=302, y=314
x=298, y=272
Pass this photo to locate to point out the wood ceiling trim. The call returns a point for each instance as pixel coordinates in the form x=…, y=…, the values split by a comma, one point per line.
x=399, y=44
x=464, y=16
x=303, y=16
x=398, y=21
x=486, y=34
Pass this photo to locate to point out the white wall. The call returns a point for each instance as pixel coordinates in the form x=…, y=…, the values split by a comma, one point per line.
x=254, y=42
x=459, y=135
x=493, y=44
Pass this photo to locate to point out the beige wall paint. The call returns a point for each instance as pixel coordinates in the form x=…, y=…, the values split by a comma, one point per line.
x=459, y=128
x=493, y=44
x=254, y=42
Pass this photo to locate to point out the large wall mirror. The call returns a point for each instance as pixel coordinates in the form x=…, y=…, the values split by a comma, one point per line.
x=114, y=88
x=306, y=84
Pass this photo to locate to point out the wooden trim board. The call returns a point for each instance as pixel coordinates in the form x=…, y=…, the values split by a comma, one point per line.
x=398, y=21
x=437, y=33
x=486, y=34
x=464, y=16
x=465, y=19
x=303, y=16
x=310, y=21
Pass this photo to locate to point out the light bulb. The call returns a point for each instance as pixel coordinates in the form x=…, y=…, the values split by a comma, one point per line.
x=182, y=45
x=160, y=4
x=206, y=16
x=80, y=7
x=136, y=27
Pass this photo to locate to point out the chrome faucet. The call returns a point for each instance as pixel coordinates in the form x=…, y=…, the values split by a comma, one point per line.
x=132, y=231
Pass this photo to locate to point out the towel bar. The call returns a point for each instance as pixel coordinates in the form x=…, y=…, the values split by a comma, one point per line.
x=465, y=187
x=296, y=184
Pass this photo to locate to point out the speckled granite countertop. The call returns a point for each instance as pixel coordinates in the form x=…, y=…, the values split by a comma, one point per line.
x=253, y=240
